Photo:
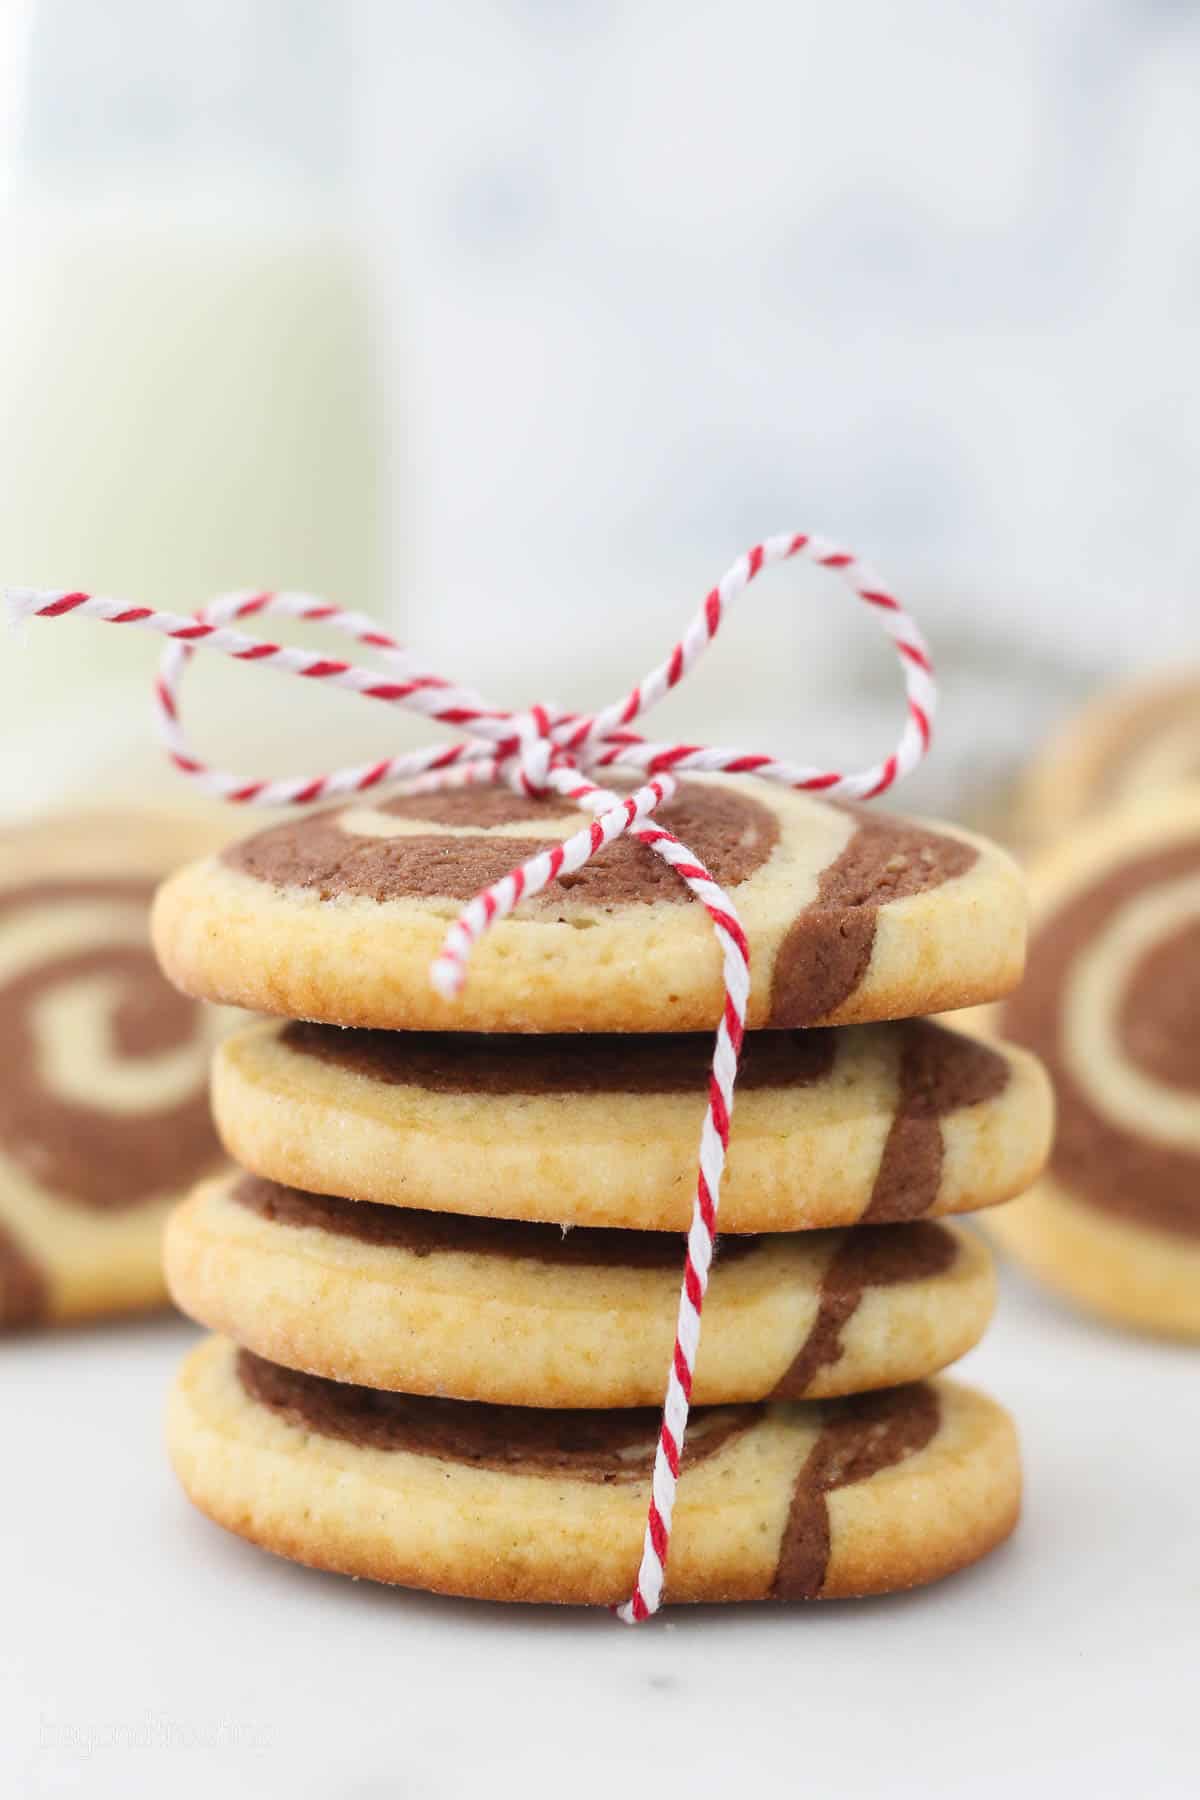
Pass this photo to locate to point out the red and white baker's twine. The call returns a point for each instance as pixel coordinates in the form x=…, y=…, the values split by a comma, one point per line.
x=538, y=752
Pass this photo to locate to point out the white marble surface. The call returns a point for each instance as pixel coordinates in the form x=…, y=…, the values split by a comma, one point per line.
x=144, y=1652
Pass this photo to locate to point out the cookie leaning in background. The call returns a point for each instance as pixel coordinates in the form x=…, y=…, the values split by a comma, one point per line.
x=529, y=1315
x=868, y=1124
x=104, y=1118
x=1111, y=1003
x=1131, y=740
x=851, y=915
x=790, y=1501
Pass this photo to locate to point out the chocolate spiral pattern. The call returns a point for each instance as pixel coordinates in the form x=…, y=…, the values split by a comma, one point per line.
x=453, y=844
x=577, y=1444
x=858, y=1437
x=1111, y=1003
x=869, y=1258
x=86, y=1137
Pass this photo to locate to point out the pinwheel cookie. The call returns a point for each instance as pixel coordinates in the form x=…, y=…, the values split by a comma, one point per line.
x=482, y=1309
x=788, y=1501
x=851, y=915
x=1112, y=1004
x=104, y=1117
x=873, y=1123
x=1130, y=741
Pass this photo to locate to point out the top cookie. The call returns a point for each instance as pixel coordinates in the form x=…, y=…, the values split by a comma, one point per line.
x=1128, y=742
x=852, y=915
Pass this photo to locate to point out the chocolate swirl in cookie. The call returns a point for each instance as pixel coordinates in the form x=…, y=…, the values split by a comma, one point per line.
x=858, y=1438
x=500, y=1063
x=861, y=1437
x=733, y=833
x=71, y=1145
x=827, y=950
x=582, y=1445
x=431, y=1233
x=825, y=953
x=940, y=1073
x=870, y=1257
x=1111, y=1003
x=866, y=1259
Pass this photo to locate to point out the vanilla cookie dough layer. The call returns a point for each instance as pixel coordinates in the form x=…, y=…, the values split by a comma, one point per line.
x=525, y=1315
x=872, y=1124
x=1130, y=741
x=1120, y=1272
x=790, y=1501
x=1112, y=1003
x=851, y=915
x=104, y=1118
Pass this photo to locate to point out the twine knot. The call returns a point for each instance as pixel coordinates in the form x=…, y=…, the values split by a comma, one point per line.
x=535, y=755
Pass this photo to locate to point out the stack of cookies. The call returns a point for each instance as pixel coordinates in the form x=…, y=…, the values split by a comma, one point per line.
x=446, y=1275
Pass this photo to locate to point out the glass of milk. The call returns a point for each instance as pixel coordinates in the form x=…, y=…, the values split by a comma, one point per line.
x=186, y=381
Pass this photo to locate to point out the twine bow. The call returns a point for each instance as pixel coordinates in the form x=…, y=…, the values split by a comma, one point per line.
x=543, y=751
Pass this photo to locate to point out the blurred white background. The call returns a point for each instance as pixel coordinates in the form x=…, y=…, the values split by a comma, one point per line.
x=638, y=285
